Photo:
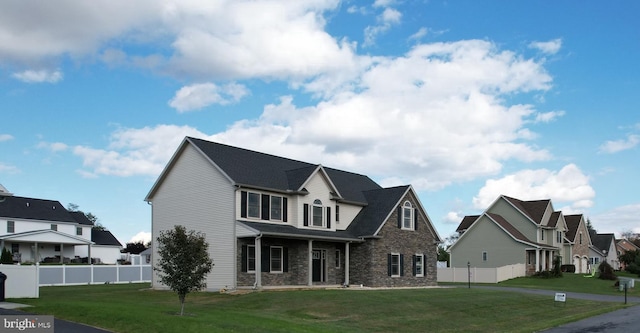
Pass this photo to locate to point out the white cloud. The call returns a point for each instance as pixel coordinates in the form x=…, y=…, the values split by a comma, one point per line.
x=419, y=34
x=550, y=47
x=618, y=219
x=6, y=137
x=142, y=236
x=611, y=147
x=389, y=17
x=547, y=117
x=53, y=146
x=453, y=217
x=567, y=186
x=198, y=96
x=40, y=76
x=8, y=169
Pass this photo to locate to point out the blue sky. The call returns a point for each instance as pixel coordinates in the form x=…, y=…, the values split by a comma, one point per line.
x=465, y=100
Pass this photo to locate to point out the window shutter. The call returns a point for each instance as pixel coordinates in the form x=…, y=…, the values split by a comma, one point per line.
x=243, y=262
x=415, y=269
x=328, y=217
x=265, y=259
x=400, y=216
x=243, y=204
x=305, y=214
x=285, y=259
x=424, y=264
x=401, y=264
x=389, y=264
x=284, y=209
x=415, y=219
x=266, y=207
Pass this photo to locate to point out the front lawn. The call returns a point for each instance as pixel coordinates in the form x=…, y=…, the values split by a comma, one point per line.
x=135, y=308
x=573, y=283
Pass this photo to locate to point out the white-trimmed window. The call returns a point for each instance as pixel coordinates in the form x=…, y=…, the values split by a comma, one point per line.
x=394, y=265
x=15, y=248
x=54, y=227
x=407, y=215
x=275, y=262
x=253, y=205
x=337, y=214
x=558, y=236
x=251, y=258
x=542, y=234
x=418, y=265
x=11, y=227
x=276, y=208
x=78, y=231
x=485, y=256
x=580, y=237
x=317, y=213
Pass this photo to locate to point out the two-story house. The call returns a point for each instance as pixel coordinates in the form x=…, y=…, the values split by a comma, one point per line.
x=274, y=221
x=511, y=231
x=37, y=230
x=579, y=240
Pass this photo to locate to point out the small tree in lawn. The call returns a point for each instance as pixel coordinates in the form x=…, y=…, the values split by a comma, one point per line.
x=184, y=261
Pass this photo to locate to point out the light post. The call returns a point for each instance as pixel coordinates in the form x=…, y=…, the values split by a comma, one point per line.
x=469, y=273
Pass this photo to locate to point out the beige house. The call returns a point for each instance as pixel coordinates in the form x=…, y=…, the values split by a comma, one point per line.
x=512, y=231
x=579, y=242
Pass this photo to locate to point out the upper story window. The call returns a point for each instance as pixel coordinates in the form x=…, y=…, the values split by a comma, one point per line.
x=337, y=214
x=79, y=231
x=407, y=216
x=263, y=206
x=542, y=234
x=581, y=237
x=317, y=213
x=559, y=236
x=11, y=226
x=54, y=227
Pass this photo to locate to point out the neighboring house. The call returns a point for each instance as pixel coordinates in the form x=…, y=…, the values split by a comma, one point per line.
x=579, y=239
x=274, y=221
x=511, y=231
x=624, y=245
x=605, y=244
x=38, y=230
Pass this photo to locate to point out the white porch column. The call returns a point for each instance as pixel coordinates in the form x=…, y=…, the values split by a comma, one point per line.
x=258, y=249
x=61, y=253
x=89, y=262
x=537, y=260
x=544, y=260
x=346, y=263
x=310, y=263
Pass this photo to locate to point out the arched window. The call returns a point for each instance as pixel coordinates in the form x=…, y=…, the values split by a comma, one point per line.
x=407, y=215
x=317, y=213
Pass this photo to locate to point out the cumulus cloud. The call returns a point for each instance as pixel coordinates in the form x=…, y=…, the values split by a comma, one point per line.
x=142, y=236
x=6, y=137
x=547, y=117
x=8, y=169
x=568, y=186
x=611, y=147
x=618, y=219
x=39, y=76
x=53, y=146
x=386, y=20
x=549, y=47
x=198, y=96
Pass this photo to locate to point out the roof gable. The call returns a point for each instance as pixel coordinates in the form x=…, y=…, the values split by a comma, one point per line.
x=104, y=237
x=573, y=223
x=380, y=205
x=34, y=209
x=603, y=241
x=533, y=209
x=466, y=222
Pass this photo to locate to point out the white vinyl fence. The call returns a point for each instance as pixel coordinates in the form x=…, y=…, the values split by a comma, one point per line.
x=23, y=281
x=480, y=275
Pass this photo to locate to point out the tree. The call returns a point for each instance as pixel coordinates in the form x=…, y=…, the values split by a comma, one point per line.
x=590, y=228
x=184, y=261
x=6, y=257
x=134, y=247
x=94, y=219
x=443, y=255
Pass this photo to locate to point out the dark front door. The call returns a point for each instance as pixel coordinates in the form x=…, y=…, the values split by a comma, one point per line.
x=319, y=262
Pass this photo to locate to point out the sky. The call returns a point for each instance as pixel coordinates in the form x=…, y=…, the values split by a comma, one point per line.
x=464, y=100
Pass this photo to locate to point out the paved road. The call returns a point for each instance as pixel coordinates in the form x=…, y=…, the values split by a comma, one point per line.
x=61, y=326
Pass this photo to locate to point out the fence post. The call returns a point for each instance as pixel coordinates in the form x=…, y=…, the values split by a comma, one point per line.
x=118, y=272
x=64, y=274
x=91, y=266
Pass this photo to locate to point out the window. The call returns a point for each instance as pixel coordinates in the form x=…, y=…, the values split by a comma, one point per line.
x=317, y=213
x=251, y=258
x=11, y=226
x=337, y=213
x=484, y=256
x=79, y=231
x=276, y=208
x=542, y=234
x=394, y=264
x=407, y=216
x=56, y=248
x=54, y=227
x=253, y=205
x=276, y=259
x=418, y=265
x=337, y=258
x=580, y=237
x=558, y=236
x=15, y=248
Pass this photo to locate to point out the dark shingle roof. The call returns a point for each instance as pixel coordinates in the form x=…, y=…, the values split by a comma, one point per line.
x=34, y=209
x=467, y=221
x=81, y=218
x=291, y=231
x=573, y=222
x=104, y=237
x=603, y=241
x=534, y=209
x=380, y=203
x=553, y=220
x=251, y=168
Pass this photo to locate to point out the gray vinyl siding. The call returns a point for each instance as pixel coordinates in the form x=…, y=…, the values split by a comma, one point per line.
x=486, y=236
x=196, y=195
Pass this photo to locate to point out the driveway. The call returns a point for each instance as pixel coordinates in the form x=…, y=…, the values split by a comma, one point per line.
x=60, y=326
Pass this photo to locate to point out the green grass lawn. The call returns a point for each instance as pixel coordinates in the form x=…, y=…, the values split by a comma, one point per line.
x=135, y=308
x=572, y=282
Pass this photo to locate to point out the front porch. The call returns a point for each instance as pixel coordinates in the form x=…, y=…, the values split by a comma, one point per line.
x=540, y=260
x=47, y=246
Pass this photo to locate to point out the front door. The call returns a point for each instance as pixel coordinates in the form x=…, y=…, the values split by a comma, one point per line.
x=319, y=264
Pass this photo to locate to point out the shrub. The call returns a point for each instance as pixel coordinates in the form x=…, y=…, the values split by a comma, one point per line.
x=606, y=271
x=568, y=268
x=556, y=271
x=633, y=268
x=6, y=257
